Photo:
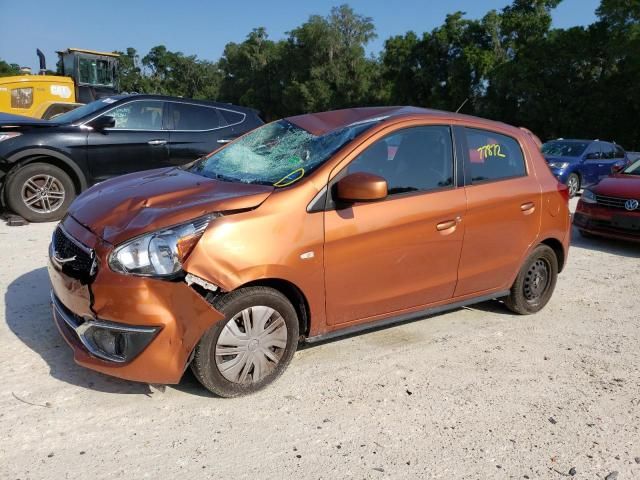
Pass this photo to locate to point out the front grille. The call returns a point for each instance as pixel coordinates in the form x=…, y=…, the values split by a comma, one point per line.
x=75, y=259
x=611, y=202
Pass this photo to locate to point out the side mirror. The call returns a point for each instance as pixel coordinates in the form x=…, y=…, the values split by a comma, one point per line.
x=102, y=122
x=361, y=187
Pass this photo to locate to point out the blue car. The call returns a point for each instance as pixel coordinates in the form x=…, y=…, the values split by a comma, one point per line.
x=580, y=163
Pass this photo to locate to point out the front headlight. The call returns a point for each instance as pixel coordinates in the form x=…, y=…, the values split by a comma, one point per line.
x=559, y=165
x=161, y=253
x=588, y=196
x=7, y=135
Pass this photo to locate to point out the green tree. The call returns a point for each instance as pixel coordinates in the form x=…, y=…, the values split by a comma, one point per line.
x=8, y=69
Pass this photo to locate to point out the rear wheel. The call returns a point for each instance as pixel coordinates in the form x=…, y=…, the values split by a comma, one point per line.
x=39, y=192
x=251, y=347
x=535, y=282
x=573, y=184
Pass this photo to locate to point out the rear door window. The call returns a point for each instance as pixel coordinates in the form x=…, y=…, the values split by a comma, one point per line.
x=608, y=151
x=186, y=116
x=619, y=152
x=493, y=156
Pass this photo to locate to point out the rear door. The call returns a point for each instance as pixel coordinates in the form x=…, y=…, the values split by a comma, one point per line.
x=196, y=130
x=607, y=161
x=136, y=142
x=503, y=210
x=401, y=252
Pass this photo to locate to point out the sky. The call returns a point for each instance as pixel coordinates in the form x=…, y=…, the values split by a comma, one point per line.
x=204, y=27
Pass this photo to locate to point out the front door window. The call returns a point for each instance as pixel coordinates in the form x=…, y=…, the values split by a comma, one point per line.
x=140, y=115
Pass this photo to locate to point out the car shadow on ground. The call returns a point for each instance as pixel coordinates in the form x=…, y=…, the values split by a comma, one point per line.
x=28, y=315
x=605, y=245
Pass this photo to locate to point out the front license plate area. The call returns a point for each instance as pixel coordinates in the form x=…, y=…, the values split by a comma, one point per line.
x=626, y=223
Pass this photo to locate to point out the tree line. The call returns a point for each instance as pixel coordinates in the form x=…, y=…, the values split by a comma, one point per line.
x=509, y=65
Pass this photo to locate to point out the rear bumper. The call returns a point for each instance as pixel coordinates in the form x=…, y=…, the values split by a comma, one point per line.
x=178, y=315
x=605, y=222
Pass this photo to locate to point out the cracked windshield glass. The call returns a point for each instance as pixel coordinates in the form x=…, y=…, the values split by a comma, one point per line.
x=278, y=154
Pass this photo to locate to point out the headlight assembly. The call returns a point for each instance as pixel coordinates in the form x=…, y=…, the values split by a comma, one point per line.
x=7, y=135
x=588, y=196
x=559, y=165
x=160, y=253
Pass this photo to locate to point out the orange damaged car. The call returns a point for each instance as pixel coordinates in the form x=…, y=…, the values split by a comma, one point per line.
x=304, y=229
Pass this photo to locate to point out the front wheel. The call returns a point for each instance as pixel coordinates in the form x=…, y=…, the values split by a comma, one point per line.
x=535, y=282
x=39, y=192
x=573, y=184
x=251, y=346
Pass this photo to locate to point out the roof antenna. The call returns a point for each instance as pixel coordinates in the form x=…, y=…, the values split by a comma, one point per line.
x=462, y=105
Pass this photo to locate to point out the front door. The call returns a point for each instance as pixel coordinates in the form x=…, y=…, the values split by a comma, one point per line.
x=591, y=165
x=136, y=142
x=503, y=215
x=401, y=252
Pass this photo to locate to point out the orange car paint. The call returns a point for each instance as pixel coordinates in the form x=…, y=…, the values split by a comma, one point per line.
x=353, y=266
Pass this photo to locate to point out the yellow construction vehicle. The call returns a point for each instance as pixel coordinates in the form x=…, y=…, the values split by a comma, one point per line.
x=85, y=75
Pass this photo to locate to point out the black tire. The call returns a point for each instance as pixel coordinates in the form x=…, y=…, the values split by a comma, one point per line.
x=17, y=185
x=204, y=364
x=535, y=282
x=574, y=184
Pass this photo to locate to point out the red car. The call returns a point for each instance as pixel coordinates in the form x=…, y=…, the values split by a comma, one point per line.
x=611, y=208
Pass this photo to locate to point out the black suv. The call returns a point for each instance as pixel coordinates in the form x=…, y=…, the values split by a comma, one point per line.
x=45, y=164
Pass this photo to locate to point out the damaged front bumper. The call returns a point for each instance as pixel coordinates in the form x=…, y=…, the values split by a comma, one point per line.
x=136, y=328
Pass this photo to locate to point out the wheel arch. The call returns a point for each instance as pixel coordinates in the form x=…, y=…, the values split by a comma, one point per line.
x=558, y=249
x=52, y=157
x=293, y=294
x=576, y=171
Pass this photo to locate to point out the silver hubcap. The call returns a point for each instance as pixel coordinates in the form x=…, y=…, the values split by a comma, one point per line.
x=251, y=345
x=573, y=185
x=43, y=193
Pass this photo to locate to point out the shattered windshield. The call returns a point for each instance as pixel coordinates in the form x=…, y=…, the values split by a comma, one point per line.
x=278, y=154
x=633, y=169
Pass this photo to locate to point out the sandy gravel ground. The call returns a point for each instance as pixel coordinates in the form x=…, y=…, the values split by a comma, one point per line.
x=475, y=393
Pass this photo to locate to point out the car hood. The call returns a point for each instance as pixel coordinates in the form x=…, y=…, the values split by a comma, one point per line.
x=127, y=206
x=8, y=120
x=619, y=185
x=550, y=158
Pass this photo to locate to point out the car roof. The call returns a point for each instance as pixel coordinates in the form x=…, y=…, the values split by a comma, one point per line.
x=580, y=140
x=324, y=122
x=209, y=103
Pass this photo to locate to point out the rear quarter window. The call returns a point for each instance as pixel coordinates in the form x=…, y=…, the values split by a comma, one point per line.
x=232, y=118
x=493, y=156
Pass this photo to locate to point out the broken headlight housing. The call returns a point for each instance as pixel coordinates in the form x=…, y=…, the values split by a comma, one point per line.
x=160, y=253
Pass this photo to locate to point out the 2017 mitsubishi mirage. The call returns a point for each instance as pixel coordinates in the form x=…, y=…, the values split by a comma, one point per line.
x=304, y=229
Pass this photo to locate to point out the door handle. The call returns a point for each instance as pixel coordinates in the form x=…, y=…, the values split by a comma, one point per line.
x=528, y=207
x=225, y=140
x=446, y=225
x=157, y=142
